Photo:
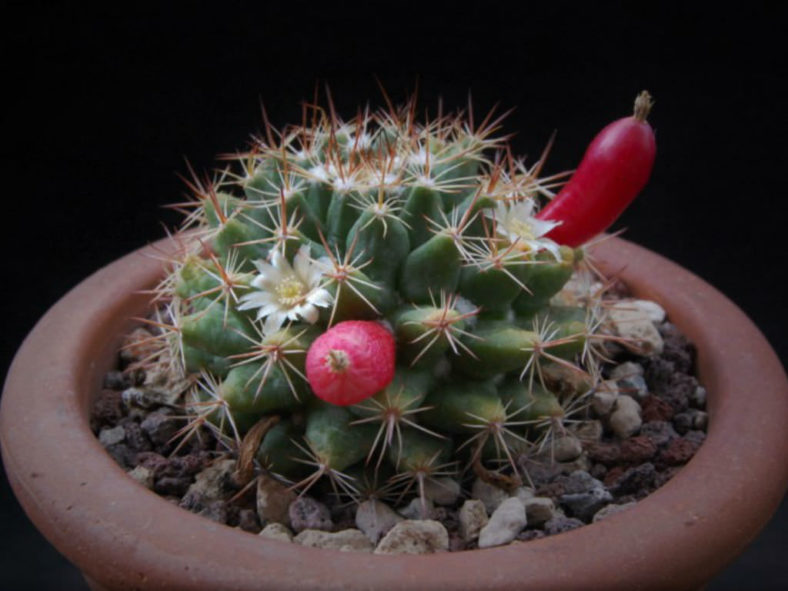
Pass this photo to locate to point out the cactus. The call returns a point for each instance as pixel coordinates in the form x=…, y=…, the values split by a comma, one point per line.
x=425, y=229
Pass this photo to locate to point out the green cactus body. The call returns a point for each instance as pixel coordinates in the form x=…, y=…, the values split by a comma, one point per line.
x=379, y=219
x=216, y=333
x=197, y=360
x=498, y=348
x=463, y=407
x=334, y=442
x=430, y=269
x=544, y=279
x=279, y=453
x=424, y=333
x=420, y=452
x=530, y=402
x=422, y=205
x=384, y=242
x=255, y=388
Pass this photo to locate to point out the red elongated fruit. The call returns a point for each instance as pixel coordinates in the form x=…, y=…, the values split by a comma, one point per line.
x=350, y=362
x=615, y=167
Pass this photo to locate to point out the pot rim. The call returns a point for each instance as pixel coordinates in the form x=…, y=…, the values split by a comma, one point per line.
x=123, y=535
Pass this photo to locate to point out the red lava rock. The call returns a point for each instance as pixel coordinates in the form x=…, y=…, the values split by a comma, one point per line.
x=637, y=449
x=638, y=481
x=659, y=432
x=157, y=463
x=677, y=349
x=107, y=409
x=603, y=453
x=678, y=392
x=248, y=521
x=656, y=409
x=552, y=490
x=613, y=475
x=135, y=438
x=658, y=373
x=678, y=452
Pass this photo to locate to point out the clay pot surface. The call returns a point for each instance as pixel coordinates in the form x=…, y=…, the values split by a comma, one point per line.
x=123, y=536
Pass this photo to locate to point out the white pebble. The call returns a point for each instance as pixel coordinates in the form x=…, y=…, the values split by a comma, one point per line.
x=625, y=419
x=415, y=537
x=473, y=517
x=505, y=523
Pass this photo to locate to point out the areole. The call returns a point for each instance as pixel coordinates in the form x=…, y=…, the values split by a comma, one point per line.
x=123, y=536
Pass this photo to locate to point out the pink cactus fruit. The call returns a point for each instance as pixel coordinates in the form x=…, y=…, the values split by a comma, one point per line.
x=350, y=362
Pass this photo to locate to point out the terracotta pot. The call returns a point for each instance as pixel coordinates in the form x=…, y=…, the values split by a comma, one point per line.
x=123, y=536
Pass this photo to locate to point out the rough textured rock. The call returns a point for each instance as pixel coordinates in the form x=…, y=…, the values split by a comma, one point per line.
x=215, y=511
x=307, y=513
x=418, y=509
x=442, y=491
x=659, y=432
x=580, y=482
x=698, y=397
x=637, y=449
x=212, y=483
x=585, y=504
x=633, y=386
x=142, y=475
x=606, y=453
x=679, y=391
x=679, y=451
x=626, y=370
x=604, y=398
x=588, y=431
x=277, y=531
x=110, y=436
x=540, y=471
x=107, y=409
x=530, y=534
x=273, y=500
x=656, y=409
x=160, y=427
x=560, y=524
x=414, y=537
x=582, y=462
x=375, y=519
x=523, y=493
x=505, y=523
x=473, y=517
x=248, y=521
x=539, y=510
x=638, y=480
x=677, y=350
x=567, y=448
x=490, y=495
x=631, y=319
x=625, y=419
x=690, y=419
x=348, y=540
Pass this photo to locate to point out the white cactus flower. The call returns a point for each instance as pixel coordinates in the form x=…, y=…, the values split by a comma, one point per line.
x=517, y=224
x=284, y=292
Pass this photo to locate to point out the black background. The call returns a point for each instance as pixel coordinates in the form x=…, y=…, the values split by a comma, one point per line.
x=104, y=104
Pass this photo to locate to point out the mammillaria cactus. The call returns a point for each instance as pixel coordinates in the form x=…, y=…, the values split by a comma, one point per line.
x=399, y=270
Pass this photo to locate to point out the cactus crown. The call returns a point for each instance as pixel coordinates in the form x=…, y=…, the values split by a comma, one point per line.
x=427, y=227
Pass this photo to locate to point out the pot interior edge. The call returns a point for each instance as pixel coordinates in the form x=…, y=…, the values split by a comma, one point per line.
x=103, y=352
